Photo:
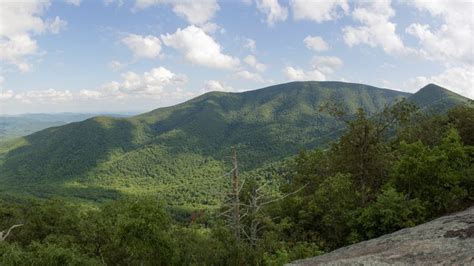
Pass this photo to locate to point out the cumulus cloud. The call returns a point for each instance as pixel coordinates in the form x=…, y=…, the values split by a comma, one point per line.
x=214, y=85
x=49, y=96
x=253, y=62
x=195, y=12
x=199, y=48
x=5, y=95
x=321, y=66
x=251, y=45
x=56, y=25
x=273, y=10
x=315, y=43
x=457, y=79
x=326, y=64
x=449, y=42
x=157, y=83
x=244, y=74
x=143, y=46
x=298, y=74
x=376, y=29
x=24, y=21
x=318, y=10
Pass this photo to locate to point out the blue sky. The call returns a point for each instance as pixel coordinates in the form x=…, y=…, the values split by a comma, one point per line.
x=137, y=55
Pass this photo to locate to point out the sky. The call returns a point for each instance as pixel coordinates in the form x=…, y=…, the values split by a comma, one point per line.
x=138, y=55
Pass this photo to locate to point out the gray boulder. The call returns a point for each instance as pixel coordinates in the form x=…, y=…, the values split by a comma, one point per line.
x=448, y=240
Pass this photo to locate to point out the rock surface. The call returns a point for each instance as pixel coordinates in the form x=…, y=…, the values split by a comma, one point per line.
x=448, y=240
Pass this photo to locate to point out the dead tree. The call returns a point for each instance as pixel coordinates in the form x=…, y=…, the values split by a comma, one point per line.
x=257, y=201
x=236, y=210
x=233, y=199
x=4, y=235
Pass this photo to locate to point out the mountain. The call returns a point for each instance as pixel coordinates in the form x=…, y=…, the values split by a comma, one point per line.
x=13, y=126
x=433, y=98
x=183, y=149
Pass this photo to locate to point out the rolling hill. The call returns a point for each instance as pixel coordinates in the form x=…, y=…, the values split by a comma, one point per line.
x=182, y=149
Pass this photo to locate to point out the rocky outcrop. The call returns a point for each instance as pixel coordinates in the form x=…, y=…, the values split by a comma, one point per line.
x=448, y=240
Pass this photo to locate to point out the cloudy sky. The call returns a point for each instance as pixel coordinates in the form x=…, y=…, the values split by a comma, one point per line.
x=136, y=55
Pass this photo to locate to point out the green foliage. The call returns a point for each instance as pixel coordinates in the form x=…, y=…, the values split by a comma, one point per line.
x=382, y=174
x=462, y=117
x=179, y=151
x=391, y=211
x=331, y=208
x=402, y=179
x=433, y=174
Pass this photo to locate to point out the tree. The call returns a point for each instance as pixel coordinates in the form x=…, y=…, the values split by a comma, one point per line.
x=462, y=117
x=433, y=175
x=390, y=212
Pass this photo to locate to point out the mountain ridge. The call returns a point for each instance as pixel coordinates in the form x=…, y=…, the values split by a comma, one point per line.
x=163, y=147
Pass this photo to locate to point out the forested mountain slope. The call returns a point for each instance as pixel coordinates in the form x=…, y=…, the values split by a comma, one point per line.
x=181, y=151
x=434, y=98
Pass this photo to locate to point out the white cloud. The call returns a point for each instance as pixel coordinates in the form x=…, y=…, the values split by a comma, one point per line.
x=326, y=64
x=252, y=61
x=199, y=48
x=315, y=43
x=376, y=29
x=24, y=20
x=298, y=74
x=143, y=46
x=251, y=45
x=16, y=48
x=6, y=95
x=450, y=42
x=457, y=79
x=318, y=10
x=49, y=96
x=157, y=83
x=214, y=85
x=321, y=66
x=244, y=74
x=115, y=65
x=56, y=25
x=273, y=10
x=195, y=12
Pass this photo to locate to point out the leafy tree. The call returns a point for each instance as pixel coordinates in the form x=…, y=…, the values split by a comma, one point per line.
x=390, y=212
x=462, y=117
x=136, y=232
x=433, y=175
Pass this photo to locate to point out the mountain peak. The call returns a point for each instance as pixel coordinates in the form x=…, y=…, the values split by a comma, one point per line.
x=437, y=98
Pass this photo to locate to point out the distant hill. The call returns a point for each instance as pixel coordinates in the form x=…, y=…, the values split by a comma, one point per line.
x=13, y=126
x=181, y=152
x=433, y=98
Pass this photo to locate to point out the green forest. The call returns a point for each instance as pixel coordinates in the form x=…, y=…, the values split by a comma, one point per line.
x=384, y=170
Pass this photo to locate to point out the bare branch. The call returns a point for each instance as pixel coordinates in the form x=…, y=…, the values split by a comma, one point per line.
x=4, y=236
x=284, y=196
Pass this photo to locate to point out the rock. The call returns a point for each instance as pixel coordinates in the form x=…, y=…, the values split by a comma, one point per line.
x=447, y=240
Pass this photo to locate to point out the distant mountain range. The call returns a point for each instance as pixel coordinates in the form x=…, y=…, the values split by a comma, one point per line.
x=180, y=152
x=13, y=126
